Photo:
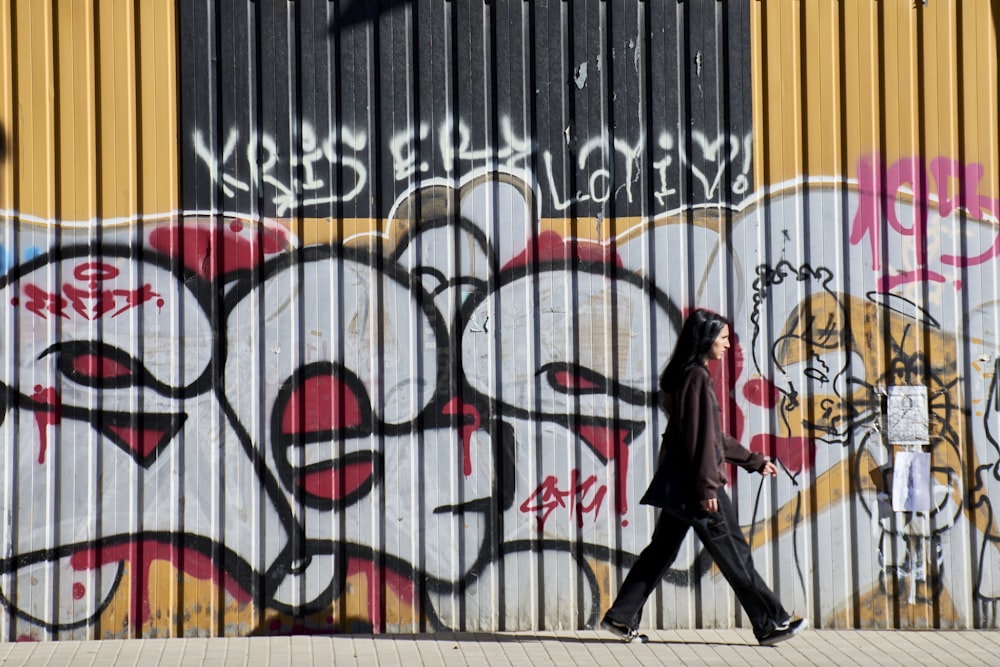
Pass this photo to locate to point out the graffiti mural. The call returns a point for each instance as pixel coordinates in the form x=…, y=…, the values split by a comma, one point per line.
x=372, y=434
x=319, y=416
x=363, y=334
x=827, y=342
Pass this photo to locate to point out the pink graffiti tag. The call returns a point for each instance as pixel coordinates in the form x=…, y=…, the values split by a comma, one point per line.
x=878, y=199
x=548, y=497
x=45, y=418
x=89, y=300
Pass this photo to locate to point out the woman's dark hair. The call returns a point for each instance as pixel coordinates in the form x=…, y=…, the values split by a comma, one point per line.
x=700, y=330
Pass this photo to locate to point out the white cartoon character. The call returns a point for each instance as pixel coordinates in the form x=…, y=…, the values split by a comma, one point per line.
x=114, y=449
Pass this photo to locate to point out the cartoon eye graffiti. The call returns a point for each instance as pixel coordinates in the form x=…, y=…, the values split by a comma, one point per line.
x=572, y=379
x=575, y=379
x=317, y=409
x=99, y=365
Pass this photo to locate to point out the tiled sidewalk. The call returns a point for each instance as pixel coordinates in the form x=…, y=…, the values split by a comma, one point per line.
x=667, y=647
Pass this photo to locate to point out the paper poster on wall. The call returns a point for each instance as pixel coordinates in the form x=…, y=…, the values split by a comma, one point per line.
x=911, y=482
x=907, y=416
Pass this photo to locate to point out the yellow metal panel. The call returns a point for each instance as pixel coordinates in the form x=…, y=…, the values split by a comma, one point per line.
x=75, y=106
x=33, y=153
x=116, y=114
x=6, y=107
x=96, y=125
x=908, y=70
x=158, y=125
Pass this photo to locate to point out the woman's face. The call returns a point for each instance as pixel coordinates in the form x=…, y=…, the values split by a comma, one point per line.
x=720, y=345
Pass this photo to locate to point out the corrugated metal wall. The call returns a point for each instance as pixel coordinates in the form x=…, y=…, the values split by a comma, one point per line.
x=876, y=244
x=347, y=316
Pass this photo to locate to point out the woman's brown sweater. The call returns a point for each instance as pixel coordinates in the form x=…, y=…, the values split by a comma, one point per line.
x=695, y=442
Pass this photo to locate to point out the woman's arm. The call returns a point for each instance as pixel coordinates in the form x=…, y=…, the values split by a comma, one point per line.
x=736, y=453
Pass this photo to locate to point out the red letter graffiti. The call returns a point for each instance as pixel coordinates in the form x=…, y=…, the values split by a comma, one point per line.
x=548, y=497
x=92, y=272
x=40, y=301
x=89, y=302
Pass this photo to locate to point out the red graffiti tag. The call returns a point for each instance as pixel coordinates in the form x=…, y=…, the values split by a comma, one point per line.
x=340, y=480
x=878, y=199
x=549, y=497
x=45, y=418
x=88, y=302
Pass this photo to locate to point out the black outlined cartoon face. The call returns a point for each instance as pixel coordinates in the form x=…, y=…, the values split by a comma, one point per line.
x=108, y=415
x=561, y=352
x=346, y=358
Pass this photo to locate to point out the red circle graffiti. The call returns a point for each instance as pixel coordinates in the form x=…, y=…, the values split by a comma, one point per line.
x=92, y=272
x=761, y=392
x=79, y=590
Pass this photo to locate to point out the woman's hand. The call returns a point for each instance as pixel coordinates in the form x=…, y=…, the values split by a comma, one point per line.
x=769, y=469
x=710, y=505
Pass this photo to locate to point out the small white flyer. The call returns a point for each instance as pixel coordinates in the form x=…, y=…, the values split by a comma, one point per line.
x=906, y=418
x=911, y=482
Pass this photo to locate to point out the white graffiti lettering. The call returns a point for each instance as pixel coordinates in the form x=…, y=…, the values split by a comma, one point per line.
x=609, y=166
x=295, y=178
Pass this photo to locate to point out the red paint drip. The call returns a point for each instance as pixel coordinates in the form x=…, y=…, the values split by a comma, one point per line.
x=796, y=454
x=46, y=418
x=469, y=427
x=610, y=444
x=550, y=246
x=141, y=555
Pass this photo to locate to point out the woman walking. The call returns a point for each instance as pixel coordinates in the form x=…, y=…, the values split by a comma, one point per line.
x=689, y=486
